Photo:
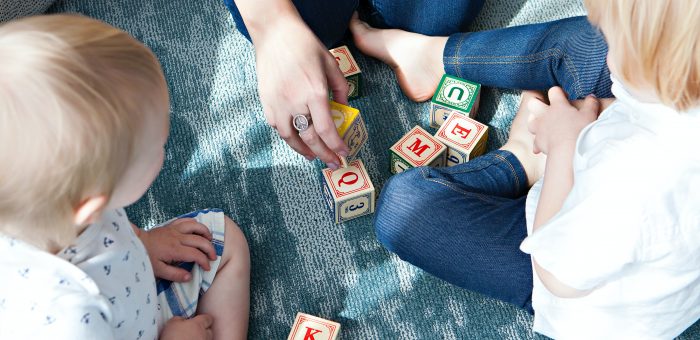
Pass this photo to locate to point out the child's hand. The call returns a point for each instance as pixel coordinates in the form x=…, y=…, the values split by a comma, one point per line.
x=183, y=240
x=197, y=328
x=559, y=123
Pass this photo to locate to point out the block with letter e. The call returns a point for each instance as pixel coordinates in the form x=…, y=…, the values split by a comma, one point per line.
x=348, y=191
x=309, y=327
x=464, y=137
x=350, y=69
x=454, y=95
x=350, y=126
x=416, y=148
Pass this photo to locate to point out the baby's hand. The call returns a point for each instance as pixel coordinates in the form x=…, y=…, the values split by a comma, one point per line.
x=559, y=123
x=199, y=327
x=183, y=240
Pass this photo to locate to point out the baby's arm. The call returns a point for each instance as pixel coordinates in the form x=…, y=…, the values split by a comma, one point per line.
x=556, y=127
x=198, y=327
x=183, y=240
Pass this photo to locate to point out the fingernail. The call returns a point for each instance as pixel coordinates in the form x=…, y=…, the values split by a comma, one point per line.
x=188, y=277
x=344, y=153
x=333, y=166
x=592, y=95
x=309, y=158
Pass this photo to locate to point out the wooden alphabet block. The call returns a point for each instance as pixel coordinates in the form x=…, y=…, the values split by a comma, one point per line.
x=348, y=191
x=416, y=148
x=350, y=126
x=309, y=327
x=350, y=69
x=464, y=137
x=453, y=95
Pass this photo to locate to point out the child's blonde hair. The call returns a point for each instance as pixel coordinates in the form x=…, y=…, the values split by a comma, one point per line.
x=656, y=43
x=73, y=94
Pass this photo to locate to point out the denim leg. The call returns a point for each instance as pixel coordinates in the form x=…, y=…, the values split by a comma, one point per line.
x=463, y=224
x=569, y=53
x=327, y=19
x=429, y=17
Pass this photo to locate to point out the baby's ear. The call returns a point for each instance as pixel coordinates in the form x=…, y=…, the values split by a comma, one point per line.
x=89, y=209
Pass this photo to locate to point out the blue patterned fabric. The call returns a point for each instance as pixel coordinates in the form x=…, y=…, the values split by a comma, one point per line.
x=221, y=153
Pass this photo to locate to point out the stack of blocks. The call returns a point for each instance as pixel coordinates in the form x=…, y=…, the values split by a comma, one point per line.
x=349, y=191
x=350, y=69
x=459, y=137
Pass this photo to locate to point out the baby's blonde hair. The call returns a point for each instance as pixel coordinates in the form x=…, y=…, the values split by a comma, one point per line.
x=656, y=43
x=74, y=92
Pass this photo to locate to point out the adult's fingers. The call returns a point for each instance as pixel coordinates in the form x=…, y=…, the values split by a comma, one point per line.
x=324, y=125
x=314, y=142
x=291, y=136
x=336, y=80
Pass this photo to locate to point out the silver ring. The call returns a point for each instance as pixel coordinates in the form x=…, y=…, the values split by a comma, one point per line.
x=301, y=122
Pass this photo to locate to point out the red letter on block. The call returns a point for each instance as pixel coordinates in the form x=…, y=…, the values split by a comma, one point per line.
x=309, y=335
x=461, y=131
x=350, y=182
x=417, y=148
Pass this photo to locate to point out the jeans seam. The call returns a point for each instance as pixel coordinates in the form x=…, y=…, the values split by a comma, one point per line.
x=512, y=170
x=457, y=49
x=453, y=187
x=540, y=56
x=498, y=159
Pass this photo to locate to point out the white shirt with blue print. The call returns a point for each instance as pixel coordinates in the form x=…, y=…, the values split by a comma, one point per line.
x=101, y=287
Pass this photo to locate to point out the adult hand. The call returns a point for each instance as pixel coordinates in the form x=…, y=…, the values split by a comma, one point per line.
x=196, y=328
x=183, y=240
x=559, y=122
x=295, y=71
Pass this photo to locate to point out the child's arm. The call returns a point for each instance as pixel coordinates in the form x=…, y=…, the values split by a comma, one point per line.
x=198, y=327
x=183, y=240
x=556, y=128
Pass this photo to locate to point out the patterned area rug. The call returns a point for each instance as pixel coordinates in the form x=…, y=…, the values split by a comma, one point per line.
x=222, y=154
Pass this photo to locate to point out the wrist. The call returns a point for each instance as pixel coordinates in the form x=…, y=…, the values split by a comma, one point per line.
x=268, y=16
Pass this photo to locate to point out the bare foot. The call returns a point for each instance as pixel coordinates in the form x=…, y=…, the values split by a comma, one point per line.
x=520, y=140
x=415, y=58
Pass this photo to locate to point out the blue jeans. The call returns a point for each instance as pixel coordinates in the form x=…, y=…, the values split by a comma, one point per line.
x=329, y=19
x=568, y=53
x=463, y=224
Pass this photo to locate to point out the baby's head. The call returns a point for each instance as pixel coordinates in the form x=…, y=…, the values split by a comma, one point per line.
x=83, y=121
x=654, y=47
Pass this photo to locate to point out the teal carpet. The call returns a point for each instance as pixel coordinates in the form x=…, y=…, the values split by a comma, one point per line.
x=222, y=154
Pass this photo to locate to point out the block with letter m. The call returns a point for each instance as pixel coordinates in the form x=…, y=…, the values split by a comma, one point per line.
x=416, y=148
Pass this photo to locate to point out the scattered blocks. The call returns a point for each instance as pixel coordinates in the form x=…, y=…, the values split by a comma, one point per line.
x=350, y=70
x=309, y=327
x=417, y=148
x=348, y=191
x=464, y=137
x=350, y=126
x=453, y=95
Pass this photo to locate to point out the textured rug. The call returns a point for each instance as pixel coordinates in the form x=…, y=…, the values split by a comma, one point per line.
x=222, y=154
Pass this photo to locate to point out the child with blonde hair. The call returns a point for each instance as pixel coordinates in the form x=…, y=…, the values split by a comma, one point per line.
x=84, y=117
x=611, y=224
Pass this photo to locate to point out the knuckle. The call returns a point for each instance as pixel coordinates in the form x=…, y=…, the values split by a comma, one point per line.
x=285, y=134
